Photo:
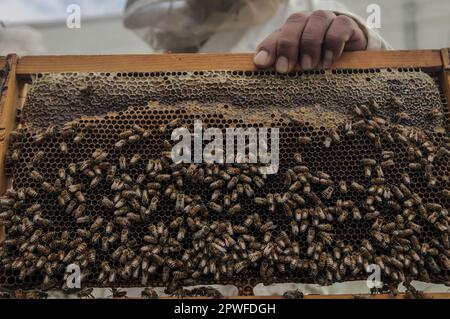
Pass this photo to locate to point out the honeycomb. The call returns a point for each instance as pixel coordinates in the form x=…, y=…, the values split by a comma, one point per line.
x=363, y=179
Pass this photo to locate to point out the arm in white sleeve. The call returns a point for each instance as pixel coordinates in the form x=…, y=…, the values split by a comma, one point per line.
x=374, y=40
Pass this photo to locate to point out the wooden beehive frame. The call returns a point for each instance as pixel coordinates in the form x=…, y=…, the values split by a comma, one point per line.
x=20, y=70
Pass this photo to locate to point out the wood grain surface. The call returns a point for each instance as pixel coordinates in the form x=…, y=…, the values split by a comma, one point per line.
x=8, y=103
x=210, y=62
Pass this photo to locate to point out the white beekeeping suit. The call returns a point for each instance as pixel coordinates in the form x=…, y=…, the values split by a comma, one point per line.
x=20, y=40
x=178, y=26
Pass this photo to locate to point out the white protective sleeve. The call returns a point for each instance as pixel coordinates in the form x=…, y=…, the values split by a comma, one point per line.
x=248, y=40
x=374, y=41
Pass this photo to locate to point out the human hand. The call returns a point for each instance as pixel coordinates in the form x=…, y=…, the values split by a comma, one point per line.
x=310, y=38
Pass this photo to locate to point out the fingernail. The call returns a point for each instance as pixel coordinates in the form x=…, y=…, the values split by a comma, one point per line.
x=327, y=59
x=262, y=58
x=306, y=62
x=282, y=65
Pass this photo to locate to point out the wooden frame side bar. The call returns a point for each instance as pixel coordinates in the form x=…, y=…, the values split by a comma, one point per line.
x=211, y=62
x=8, y=104
x=445, y=76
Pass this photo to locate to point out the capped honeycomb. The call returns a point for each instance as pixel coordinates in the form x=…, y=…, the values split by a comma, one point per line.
x=363, y=179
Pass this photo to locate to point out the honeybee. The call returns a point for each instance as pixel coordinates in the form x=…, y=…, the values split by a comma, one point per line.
x=238, y=267
x=328, y=192
x=63, y=147
x=442, y=151
x=6, y=202
x=78, y=212
x=36, y=176
x=234, y=210
x=122, y=221
x=15, y=155
x=372, y=216
x=86, y=293
x=16, y=135
x=357, y=187
x=134, y=138
x=367, y=171
x=71, y=206
x=343, y=216
x=304, y=140
x=335, y=136
x=445, y=240
x=343, y=187
x=84, y=233
x=72, y=168
x=149, y=293
x=295, y=186
x=357, y=110
x=120, y=144
x=394, y=205
x=135, y=159
x=31, y=192
x=80, y=197
x=84, y=220
x=126, y=134
x=49, y=188
x=78, y=138
x=99, y=155
x=38, y=220
x=216, y=195
x=176, y=223
x=181, y=234
x=39, y=137
x=298, y=199
x=97, y=224
x=379, y=171
x=415, y=166
x=249, y=192
x=215, y=207
x=327, y=142
x=162, y=178
x=387, y=154
x=116, y=293
x=133, y=217
x=68, y=129
x=44, y=250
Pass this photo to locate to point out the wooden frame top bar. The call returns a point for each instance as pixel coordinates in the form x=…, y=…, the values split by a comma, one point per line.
x=212, y=62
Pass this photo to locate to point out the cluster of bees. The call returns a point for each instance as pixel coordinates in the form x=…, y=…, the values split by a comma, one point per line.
x=232, y=231
x=88, y=293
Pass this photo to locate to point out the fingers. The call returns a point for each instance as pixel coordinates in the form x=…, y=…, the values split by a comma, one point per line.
x=337, y=35
x=343, y=33
x=289, y=41
x=307, y=38
x=266, y=51
x=281, y=47
x=313, y=38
